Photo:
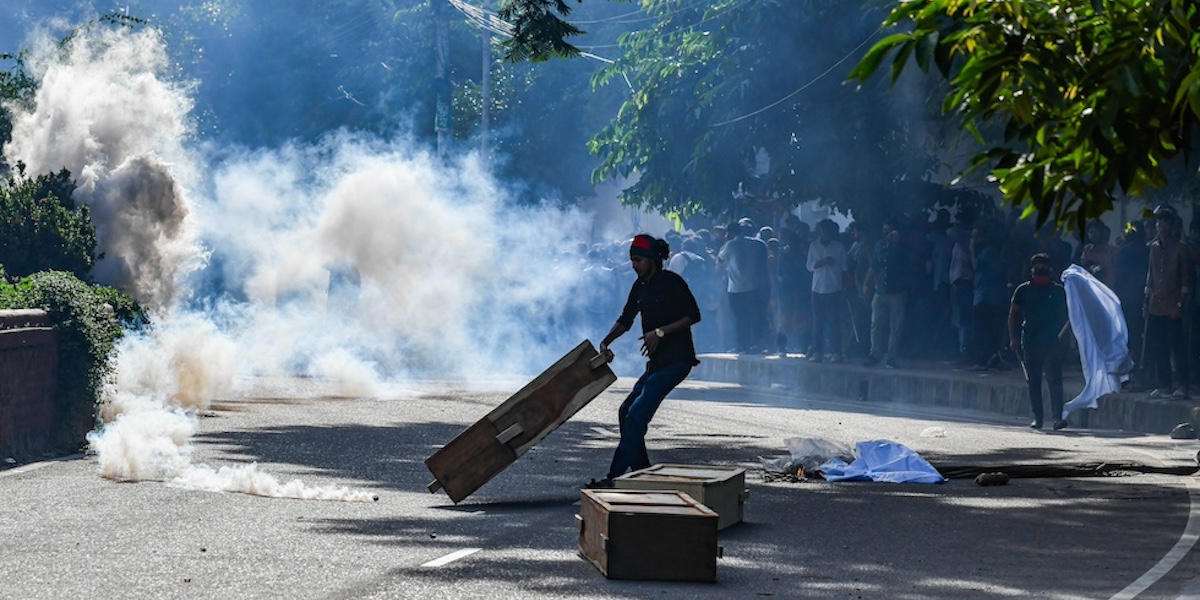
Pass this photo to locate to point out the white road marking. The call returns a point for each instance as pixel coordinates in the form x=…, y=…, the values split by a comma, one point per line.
x=605, y=432
x=1191, y=533
x=453, y=556
x=23, y=469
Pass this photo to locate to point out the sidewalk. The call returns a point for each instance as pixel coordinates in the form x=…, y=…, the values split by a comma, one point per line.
x=940, y=384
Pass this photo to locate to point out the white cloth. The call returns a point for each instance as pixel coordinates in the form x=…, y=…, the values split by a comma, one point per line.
x=1101, y=332
x=827, y=279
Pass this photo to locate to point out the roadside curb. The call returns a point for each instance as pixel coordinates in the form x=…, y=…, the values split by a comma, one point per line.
x=1002, y=393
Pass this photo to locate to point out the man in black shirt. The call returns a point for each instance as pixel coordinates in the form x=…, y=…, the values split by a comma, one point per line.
x=1040, y=307
x=668, y=312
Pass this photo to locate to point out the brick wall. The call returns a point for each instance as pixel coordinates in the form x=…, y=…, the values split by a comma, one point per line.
x=28, y=372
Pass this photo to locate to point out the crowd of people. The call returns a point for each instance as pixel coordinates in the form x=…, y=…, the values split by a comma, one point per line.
x=930, y=287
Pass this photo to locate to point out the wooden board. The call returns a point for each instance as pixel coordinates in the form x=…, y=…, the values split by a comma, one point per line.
x=486, y=448
x=723, y=489
x=666, y=536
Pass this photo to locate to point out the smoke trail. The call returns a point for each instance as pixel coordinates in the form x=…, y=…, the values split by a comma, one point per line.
x=355, y=259
x=150, y=443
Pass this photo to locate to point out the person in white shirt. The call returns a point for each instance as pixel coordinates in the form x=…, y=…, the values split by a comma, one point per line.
x=745, y=259
x=827, y=262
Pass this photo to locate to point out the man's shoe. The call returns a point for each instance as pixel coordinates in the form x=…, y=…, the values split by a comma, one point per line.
x=603, y=484
x=835, y=358
x=1157, y=393
x=1036, y=424
x=891, y=364
x=1180, y=394
x=871, y=361
x=1059, y=424
x=815, y=357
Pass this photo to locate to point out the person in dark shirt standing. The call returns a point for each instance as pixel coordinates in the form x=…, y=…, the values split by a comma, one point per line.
x=1131, y=264
x=668, y=312
x=1039, y=308
x=991, y=293
x=1168, y=283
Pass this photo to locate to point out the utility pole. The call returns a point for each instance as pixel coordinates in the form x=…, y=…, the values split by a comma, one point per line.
x=486, y=91
x=443, y=119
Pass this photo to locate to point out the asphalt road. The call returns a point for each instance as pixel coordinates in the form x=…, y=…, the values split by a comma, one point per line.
x=66, y=532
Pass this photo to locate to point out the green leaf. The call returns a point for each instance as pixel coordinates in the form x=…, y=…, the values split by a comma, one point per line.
x=874, y=57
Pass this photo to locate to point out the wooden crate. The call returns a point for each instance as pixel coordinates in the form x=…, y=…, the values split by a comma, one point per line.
x=648, y=535
x=486, y=448
x=723, y=489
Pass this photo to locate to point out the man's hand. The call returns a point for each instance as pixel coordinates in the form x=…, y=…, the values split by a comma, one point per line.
x=650, y=343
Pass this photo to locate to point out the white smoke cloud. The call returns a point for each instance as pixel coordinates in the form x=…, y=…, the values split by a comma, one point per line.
x=149, y=442
x=355, y=260
x=105, y=111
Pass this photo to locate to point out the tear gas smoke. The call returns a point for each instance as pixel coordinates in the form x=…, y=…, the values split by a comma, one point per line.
x=105, y=112
x=356, y=259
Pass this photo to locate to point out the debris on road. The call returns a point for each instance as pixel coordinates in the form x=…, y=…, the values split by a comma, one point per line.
x=934, y=432
x=1183, y=431
x=988, y=479
x=805, y=455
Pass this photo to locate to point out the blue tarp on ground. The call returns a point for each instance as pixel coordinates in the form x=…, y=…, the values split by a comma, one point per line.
x=882, y=460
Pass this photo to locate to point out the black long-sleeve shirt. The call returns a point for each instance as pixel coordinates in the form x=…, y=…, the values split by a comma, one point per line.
x=661, y=300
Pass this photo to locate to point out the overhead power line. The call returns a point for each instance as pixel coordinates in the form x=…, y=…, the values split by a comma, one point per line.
x=621, y=18
x=803, y=87
x=489, y=20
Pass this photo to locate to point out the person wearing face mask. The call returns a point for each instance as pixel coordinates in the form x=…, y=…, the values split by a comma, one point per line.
x=1037, y=320
x=668, y=310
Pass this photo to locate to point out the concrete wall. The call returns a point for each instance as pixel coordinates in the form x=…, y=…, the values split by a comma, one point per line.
x=28, y=376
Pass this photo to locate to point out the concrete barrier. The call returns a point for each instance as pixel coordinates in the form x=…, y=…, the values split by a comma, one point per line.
x=28, y=381
x=1002, y=393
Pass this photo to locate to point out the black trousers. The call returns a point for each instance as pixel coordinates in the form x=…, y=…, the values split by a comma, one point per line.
x=749, y=318
x=1165, y=340
x=987, y=327
x=1044, y=361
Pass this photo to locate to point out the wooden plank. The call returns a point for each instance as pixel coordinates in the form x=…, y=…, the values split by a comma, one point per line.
x=511, y=429
x=466, y=463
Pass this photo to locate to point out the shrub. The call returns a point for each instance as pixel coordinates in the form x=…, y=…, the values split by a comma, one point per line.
x=42, y=230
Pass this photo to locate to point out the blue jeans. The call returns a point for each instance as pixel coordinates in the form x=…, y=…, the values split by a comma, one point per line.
x=635, y=414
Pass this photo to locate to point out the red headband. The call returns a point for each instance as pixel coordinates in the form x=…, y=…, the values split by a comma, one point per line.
x=642, y=246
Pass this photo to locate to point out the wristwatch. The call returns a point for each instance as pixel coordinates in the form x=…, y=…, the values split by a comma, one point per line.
x=659, y=332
